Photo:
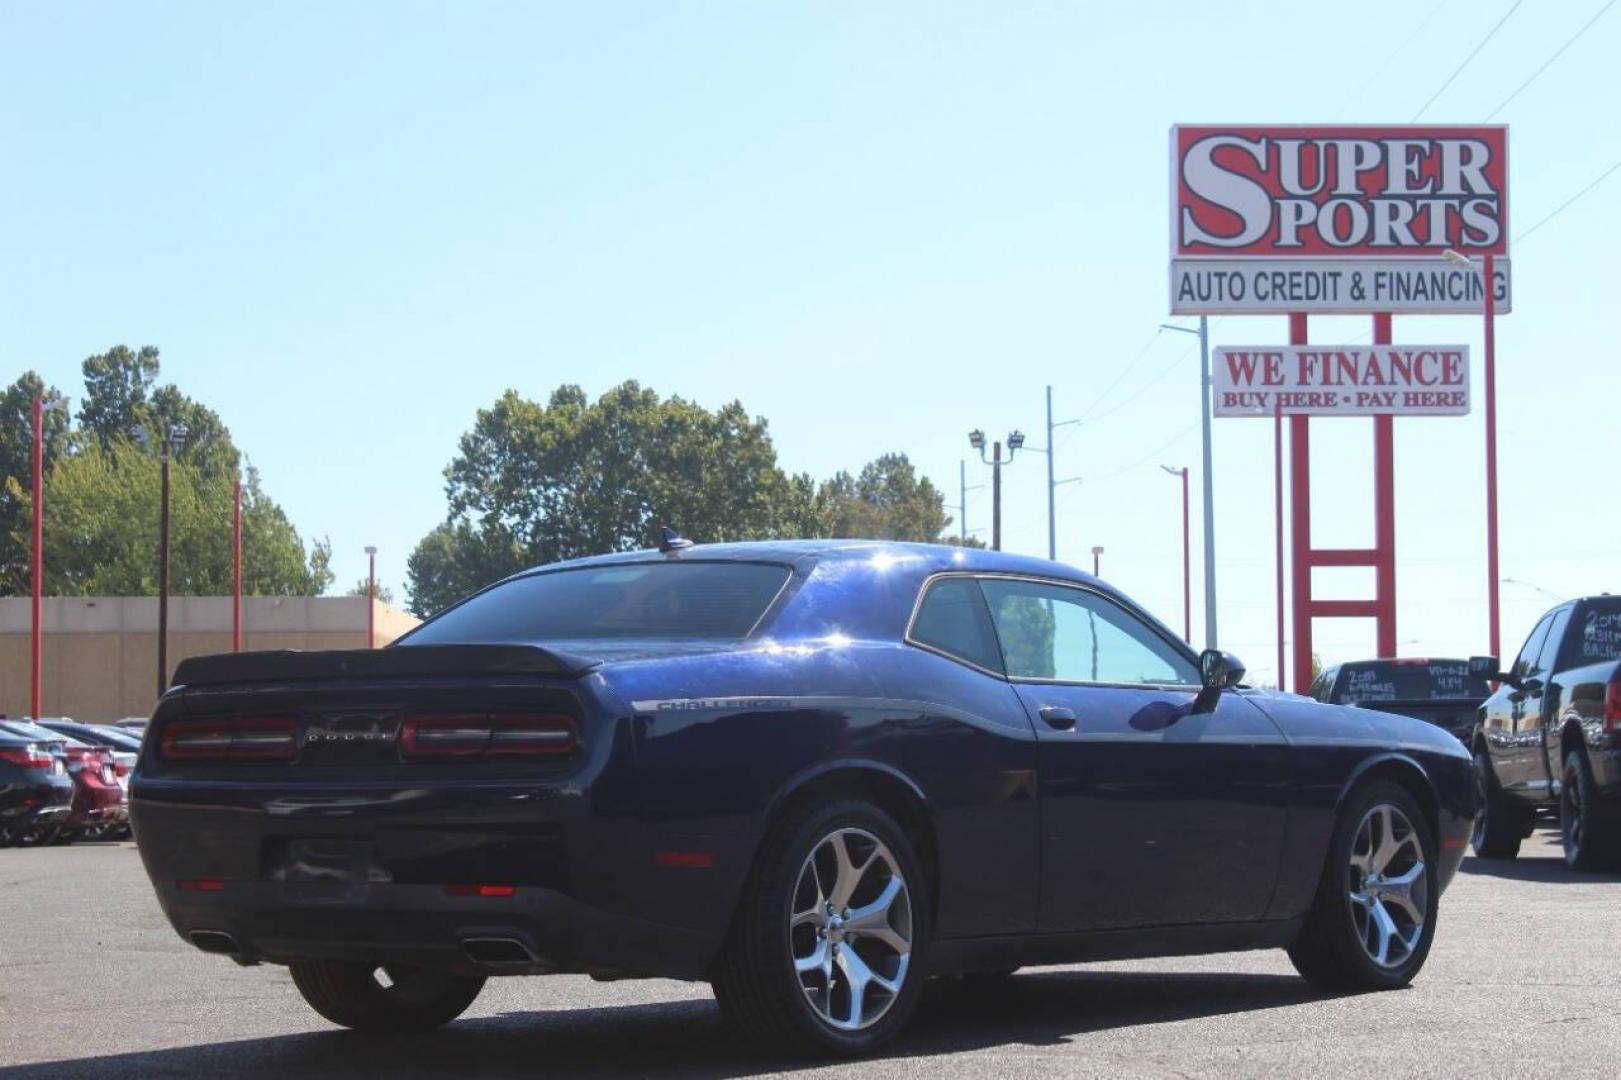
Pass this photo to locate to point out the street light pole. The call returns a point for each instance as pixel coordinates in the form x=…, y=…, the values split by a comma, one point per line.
x=371, y=597
x=1208, y=479
x=1015, y=440
x=1096, y=551
x=1187, y=563
x=1053, y=484
x=170, y=443
x=34, y=663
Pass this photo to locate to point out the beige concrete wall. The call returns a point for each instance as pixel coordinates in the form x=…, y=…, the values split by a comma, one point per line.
x=100, y=654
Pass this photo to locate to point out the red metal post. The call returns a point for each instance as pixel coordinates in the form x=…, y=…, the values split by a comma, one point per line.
x=1187, y=567
x=34, y=666
x=1300, y=527
x=1491, y=456
x=371, y=600
x=1277, y=478
x=236, y=572
x=1384, y=514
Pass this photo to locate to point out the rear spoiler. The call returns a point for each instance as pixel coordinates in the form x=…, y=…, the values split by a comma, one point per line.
x=284, y=665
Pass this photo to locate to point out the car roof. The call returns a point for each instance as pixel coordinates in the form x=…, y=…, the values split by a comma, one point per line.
x=931, y=557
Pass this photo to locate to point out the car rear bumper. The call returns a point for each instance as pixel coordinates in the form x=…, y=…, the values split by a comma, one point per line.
x=26, y=805
x=370, y=871
x=536, y=930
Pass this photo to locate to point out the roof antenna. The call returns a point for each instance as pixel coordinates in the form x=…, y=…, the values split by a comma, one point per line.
x=670, y=540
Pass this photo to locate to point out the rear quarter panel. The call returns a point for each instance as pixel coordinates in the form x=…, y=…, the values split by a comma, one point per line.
x=723, y=741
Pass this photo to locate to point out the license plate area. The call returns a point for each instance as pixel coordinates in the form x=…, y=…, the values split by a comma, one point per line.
x=318, y=869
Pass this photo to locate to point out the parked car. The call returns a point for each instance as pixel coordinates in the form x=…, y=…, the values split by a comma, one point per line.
x=135, y=724
x=121, y=745
x=811, y=773
x=1550, y=738
x=1446, y=693
x=35, y=790
x=100, y=805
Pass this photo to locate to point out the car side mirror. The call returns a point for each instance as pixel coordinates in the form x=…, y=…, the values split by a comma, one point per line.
x=1485, y=667
x=1218, y=671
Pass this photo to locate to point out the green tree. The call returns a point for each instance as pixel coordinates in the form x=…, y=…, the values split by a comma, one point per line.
x=363, y=588
x=101, y=531
x=121, y=396
x=887, y=501
x=102, y=493
x=536, y=483
x=17, y=472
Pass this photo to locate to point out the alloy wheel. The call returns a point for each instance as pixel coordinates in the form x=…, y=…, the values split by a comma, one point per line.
x=850, y=931
x=1389, y=886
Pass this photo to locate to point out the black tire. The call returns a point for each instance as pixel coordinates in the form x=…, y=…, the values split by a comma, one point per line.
x=755, y=983
x=353, y=995
x=38, y=835
x=1500, y=822
x=1332, y=951
x=1591, y=833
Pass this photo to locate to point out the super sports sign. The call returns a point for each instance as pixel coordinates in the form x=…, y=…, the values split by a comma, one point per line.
x=1270, y=220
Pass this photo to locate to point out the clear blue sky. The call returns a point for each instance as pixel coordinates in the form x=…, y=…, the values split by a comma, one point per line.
x=349, y=226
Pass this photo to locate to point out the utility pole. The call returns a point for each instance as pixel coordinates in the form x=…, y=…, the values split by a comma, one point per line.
x=963, y=488
x=1052, y=484
x=1208, y=477
x=1015, y=440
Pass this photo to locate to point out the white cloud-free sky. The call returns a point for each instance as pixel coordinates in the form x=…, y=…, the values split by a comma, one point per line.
x=350, y=226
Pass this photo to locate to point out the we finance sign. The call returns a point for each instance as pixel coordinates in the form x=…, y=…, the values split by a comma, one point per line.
x=1270, y=220
x=1341, y=380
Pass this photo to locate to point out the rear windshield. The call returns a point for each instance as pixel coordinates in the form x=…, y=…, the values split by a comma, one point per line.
x=1598, y=637
x=670, y=600
x=1409, y=682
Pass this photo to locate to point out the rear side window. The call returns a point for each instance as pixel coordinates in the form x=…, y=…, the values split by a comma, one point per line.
x=630, y=601
x=1598, y=633
x=954, y=619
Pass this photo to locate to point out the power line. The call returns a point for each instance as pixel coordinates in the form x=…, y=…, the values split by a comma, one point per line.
x=1468, y=59
x=1124, y=371
x=1557, y=53
x=1561, y=207
x=1397, y=51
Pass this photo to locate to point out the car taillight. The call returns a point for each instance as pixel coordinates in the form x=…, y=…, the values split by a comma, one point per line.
x=258, y=738
x=29, y=757
x=1612, y=708
x=483, y=735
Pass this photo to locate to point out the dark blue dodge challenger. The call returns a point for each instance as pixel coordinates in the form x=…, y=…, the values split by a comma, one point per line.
x=814, y=774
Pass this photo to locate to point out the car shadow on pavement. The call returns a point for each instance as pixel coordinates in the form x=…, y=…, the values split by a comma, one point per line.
x=688, y=1038
x=1543, y=870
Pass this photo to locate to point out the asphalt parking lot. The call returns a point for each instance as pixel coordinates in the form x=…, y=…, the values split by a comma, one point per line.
x=1525, y=978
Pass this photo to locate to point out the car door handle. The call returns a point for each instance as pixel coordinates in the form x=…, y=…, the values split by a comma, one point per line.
x=1058, y=717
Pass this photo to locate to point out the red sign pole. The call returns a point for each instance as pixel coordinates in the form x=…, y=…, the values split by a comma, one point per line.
x=1277, y=476
x=1384, y=515
x=34, y=665
x=1491, y=457
x=1300, y=527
